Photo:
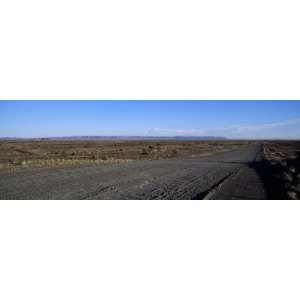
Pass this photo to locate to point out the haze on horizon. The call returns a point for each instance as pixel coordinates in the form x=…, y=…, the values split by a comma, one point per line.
x=230, y=119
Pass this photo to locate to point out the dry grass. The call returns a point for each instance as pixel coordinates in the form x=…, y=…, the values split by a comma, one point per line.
x=39, y=163
x=24, y=154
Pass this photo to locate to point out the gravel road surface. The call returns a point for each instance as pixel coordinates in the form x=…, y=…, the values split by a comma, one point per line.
x=229, y=175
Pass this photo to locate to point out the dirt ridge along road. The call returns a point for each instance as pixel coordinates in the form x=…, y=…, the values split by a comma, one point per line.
x=228, y=175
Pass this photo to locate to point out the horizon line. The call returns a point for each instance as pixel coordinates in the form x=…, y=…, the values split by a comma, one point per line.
x=144, y=136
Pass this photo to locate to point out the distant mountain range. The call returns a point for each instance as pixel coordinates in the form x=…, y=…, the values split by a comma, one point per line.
x=121, y=138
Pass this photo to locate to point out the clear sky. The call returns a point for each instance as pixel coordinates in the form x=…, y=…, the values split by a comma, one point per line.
x=232, y=119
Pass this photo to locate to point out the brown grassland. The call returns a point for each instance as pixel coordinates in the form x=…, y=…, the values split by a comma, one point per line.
x=23, y=154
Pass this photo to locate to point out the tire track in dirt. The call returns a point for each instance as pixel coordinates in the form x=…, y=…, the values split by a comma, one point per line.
x=161, y=179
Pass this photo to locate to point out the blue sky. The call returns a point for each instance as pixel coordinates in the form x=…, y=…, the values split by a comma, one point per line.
x=232, y=119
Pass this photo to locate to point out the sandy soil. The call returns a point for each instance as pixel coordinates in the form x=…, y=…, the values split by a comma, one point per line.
x=226, y=175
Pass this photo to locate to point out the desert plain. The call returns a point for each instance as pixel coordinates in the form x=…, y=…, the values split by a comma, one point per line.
x=156, y=169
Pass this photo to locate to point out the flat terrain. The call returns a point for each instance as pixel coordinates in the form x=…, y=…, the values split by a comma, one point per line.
x=149, y=170
x=227, y=175
x=30, y=154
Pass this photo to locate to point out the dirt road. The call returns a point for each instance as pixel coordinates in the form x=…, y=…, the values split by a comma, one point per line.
x=230, y=175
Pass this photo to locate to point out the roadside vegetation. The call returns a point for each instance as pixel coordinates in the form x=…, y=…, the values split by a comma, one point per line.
x=16, y=155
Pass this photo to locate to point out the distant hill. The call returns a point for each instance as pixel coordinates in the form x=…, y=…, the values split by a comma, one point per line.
x=122, y=138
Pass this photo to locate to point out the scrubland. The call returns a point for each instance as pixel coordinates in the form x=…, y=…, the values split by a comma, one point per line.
x=30, y=154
